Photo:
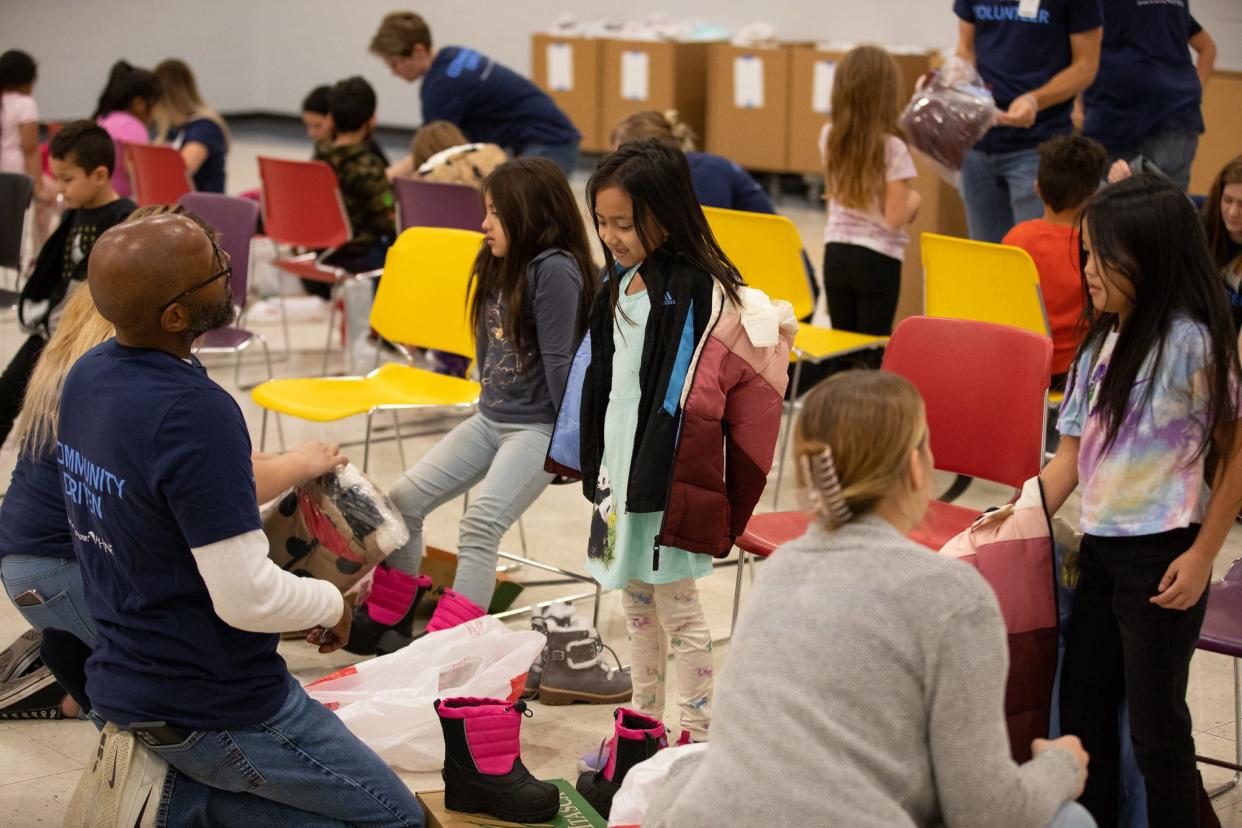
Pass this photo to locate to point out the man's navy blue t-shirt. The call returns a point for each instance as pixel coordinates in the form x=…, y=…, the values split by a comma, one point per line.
x=1016, y=55
x=718, y=182
x=491, y=103
x=210, y=176
x=155, y=461
x=1147, y=81
x=32, y=514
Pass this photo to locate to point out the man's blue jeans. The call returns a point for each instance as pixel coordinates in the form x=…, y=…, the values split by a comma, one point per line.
x=301, y=767
x=999, y=191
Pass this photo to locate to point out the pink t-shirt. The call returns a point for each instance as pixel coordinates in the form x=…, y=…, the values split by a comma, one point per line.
x=15, y=109
x=124, y=129
x=866, y=228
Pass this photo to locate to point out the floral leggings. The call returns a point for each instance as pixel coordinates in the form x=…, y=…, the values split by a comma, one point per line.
x=657, y=616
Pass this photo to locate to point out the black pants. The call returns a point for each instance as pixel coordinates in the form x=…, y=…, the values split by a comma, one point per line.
x=14, y=380
x=862, y=287
x=1120, y=643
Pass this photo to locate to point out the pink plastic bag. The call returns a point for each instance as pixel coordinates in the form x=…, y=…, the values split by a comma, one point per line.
x=386, y=701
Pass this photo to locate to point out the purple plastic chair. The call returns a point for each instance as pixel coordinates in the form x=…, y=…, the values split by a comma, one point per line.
x=1222, y=633
x=15, y=193
x=236, y=220
x=432, y=204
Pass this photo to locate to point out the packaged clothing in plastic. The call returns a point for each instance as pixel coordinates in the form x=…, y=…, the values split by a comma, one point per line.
x=948, y=114
x=336, y=527
x=387, y=701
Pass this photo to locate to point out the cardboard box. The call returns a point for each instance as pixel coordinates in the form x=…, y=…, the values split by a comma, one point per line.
x=575, y=813
x=658, y=75
x=1222, y=121
x=747, y=102
x=811, y=73
x=441, y=565
x=568, y=69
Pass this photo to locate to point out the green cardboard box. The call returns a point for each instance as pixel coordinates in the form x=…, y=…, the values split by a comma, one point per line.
x=575, y=813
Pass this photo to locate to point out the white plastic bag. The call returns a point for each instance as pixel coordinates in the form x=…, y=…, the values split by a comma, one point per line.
x=387, y=701
x=629, y=806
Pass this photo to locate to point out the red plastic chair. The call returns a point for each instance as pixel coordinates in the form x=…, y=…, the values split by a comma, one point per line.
x=985, y=387
x=986, y=390
x=302, y=207
x=158, y=174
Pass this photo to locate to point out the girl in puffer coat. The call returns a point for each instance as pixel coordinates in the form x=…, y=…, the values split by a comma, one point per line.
x=670, y=415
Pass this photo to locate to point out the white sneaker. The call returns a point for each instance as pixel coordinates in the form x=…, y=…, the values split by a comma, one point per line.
x=121, y=787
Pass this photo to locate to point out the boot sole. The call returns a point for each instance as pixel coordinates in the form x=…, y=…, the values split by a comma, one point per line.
x=555, y=697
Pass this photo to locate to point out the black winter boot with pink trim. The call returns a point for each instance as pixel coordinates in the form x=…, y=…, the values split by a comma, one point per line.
x=483, y=770
x=636, y=739
x=387, y=612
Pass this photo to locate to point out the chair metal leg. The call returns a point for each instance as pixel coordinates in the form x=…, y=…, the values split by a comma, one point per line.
x=1237, y=736
x=366, y=446
x=595, y=613
x=396, y=424
x=737, y=588
x=263, y=432
x=327, y=348
x=780, y=461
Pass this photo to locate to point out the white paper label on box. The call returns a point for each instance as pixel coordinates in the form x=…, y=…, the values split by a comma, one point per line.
x=560, y=67
x=1028, y=9
x=634, y=76
x=748, y=82
x=821, y=86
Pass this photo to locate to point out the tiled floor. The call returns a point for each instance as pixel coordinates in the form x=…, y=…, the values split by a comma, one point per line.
x=40, y=761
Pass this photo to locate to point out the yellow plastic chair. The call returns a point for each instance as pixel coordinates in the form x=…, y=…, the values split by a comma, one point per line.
x=421, y=303
x=983, y=282
x=767, y=251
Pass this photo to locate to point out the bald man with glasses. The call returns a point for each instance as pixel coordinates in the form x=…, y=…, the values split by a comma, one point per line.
x=203, y=724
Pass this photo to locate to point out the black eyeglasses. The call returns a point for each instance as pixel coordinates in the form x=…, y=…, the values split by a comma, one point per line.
x=225, y=272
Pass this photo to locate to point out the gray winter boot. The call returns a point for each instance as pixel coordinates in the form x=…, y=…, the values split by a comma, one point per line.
x=572, y=671
x=556, y=616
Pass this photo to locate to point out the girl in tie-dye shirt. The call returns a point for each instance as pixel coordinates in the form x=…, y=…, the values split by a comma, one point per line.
x=1151, y=410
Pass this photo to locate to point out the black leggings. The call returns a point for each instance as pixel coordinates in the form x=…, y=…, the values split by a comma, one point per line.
x=862, y=287
x=1119, y=643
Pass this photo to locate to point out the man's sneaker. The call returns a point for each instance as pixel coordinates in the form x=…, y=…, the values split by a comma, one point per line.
x=20, y=656
x=122, y=785
x=32, y=695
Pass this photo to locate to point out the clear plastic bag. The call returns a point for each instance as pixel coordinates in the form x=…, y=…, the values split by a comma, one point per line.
x=387, y=701
x=948, y=114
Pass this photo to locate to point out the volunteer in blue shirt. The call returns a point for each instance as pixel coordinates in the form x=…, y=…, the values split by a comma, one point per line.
x=491, y=103
x=1146, y=98
x=204, y=722
x=1036, y=55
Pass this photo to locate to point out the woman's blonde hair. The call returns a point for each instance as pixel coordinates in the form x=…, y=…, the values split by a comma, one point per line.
x=434, y=137
x=853, y=441
x=665, y=127
x=81, y=327
x=180, y=98
x=864, y=113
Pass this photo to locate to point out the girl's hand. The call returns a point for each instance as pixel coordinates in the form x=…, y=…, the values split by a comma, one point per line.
x=1184, y=581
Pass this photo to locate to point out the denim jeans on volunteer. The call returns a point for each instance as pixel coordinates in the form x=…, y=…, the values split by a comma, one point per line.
x=59, y=582
x=299, y=768
x=564, y=156
x=1172, y=150
x=1072, y=815
x=505, y=462
x=999, y=191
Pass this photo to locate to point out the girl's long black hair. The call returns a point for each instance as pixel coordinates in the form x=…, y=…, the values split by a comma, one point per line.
x=656, y=177
x=125, y=85
x=1145, y=229
x=538, y=212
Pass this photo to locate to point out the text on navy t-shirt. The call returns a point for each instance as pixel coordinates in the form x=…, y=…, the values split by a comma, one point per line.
x=1147, y=81
x=491, y=103
x=1017, y=54
x=155, y=461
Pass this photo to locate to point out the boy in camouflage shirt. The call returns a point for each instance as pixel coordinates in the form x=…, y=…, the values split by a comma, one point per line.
x=364, y=187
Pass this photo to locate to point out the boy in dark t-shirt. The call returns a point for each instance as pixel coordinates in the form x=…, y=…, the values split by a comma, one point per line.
x=82, y=159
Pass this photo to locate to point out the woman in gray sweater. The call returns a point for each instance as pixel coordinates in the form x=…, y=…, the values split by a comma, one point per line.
x=866, y=681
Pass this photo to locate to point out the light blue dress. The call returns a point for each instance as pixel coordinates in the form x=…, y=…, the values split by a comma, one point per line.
x=622, y=543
